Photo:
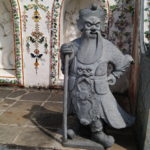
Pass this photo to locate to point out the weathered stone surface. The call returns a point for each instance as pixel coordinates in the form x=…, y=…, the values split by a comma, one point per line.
x=8, y=133
x=6, y=104
x=4, y=92
x=36, y=96
x=52, y=121
x=56, y=107
x=17, y=119
x=13, y=118
x=17, y=93
x=79, y=142
x=56, y=95
x=25, y=106
x=35, y=137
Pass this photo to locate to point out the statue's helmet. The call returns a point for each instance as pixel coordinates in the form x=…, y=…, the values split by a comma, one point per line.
x=93, y=11
x=87, y=12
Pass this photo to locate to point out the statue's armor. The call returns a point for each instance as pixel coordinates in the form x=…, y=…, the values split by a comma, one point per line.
x=89, y=91
x=90, y=83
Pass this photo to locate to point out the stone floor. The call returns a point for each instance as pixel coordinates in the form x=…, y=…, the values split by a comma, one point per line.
x=18, y=130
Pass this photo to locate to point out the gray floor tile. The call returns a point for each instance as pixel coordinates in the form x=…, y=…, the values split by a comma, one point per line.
x=8, y=133
x=17, y=93
x=56, y=95
x=6, y=104
x=36, y=96
x=5, y=92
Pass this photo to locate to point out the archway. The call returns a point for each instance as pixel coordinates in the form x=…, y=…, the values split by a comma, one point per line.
x=11, y=56
x=7, y=57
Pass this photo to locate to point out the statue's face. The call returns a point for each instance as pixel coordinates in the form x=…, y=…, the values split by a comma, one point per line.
x=91, y=27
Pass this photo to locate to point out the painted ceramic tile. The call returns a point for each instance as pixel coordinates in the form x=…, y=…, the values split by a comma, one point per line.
x=37, y=37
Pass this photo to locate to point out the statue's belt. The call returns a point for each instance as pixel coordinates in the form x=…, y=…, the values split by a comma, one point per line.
x=104, y=77
x=93, y=84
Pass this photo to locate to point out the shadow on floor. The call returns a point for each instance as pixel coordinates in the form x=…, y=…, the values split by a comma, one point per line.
x=50, y=123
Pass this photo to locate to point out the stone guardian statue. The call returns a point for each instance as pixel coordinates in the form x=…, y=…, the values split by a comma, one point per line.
x=90, y=98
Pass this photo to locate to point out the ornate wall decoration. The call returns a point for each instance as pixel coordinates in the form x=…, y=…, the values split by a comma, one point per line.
x=121, y=24
x=37, y=37
x=36, y=14
x=55, y=40
x=19, y=78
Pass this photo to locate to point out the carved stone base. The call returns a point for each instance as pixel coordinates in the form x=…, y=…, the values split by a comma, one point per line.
x=51, y=122
x=80, y=142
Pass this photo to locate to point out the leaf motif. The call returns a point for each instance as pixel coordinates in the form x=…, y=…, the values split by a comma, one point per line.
x=32, y=55
x=46, y=45
x=32, y=39
x=40, y=55
x=41, y=40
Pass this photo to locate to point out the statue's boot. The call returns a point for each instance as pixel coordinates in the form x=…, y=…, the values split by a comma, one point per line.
x=99, y=136
x=102, y=138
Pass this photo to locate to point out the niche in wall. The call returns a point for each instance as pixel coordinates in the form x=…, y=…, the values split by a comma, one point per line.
x=69, y=16
x=7, y=56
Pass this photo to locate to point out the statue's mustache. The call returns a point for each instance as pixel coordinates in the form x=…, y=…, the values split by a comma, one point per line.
x=93, y=32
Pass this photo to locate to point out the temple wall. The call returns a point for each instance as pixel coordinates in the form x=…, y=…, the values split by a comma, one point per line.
x=42, y=26
x=143, y=102
x=6, y=36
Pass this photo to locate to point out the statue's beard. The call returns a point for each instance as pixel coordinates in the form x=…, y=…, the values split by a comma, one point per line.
x=91, y=48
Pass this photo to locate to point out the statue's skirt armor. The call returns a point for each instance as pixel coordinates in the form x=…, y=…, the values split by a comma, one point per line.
x=91, y=96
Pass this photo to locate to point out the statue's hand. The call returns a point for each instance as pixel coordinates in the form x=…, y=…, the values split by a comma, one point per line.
x=111, y=79
x=66, y=49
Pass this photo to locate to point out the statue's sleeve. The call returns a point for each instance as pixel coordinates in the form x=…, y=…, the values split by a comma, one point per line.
x=121, y=62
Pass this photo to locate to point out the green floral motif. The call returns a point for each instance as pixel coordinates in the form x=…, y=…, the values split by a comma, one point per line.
x=36, y=6
x=36, y=16
x=54, y=42
x=120, y=24
x=9, y=81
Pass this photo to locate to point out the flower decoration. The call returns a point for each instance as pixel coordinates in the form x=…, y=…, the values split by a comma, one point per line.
x=36, y=17
x=37, y=37
x=37, y=34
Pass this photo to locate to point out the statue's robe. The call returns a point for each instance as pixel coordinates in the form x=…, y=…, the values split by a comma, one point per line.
x=89, y=94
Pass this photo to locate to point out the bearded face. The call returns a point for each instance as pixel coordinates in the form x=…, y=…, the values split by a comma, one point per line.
x=91, y=39
x=91, y=27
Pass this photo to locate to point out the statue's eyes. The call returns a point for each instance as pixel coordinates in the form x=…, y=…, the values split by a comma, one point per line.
x=98, y=25
x=88, y=24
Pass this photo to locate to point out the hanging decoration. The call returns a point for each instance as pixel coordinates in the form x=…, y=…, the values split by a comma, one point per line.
x=55, y=41
x=37, y=37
